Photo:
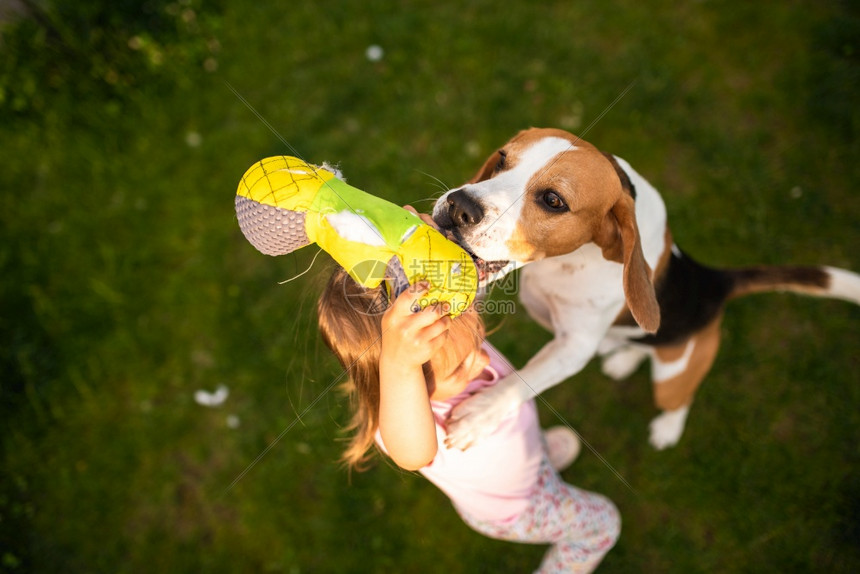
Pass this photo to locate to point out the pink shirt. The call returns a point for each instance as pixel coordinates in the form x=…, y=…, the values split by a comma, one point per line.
x=493, y=479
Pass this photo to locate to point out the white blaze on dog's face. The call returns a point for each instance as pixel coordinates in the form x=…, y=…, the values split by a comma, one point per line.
x=545, y=193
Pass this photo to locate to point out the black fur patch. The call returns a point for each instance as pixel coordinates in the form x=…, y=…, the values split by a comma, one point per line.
x=757, y=279
x=690, y=296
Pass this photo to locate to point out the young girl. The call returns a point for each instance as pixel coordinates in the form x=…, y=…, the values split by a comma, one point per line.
x=408, y=368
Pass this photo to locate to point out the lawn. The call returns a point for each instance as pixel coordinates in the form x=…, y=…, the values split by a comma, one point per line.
x=126, y=285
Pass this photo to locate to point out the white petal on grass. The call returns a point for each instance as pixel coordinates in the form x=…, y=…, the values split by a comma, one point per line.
x=216, y=399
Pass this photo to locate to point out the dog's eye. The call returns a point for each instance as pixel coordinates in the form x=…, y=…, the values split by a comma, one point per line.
x=553, y=201
x=501, y=165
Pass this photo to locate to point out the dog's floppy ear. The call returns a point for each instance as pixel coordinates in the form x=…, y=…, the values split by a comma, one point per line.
x=638, y=288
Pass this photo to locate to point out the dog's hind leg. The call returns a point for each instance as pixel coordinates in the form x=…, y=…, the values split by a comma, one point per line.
x=677, y=371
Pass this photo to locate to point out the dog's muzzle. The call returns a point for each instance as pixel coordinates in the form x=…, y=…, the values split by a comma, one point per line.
x=463, y=212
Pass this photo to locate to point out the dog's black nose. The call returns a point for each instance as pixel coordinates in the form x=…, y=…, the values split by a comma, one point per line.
x=462, y=209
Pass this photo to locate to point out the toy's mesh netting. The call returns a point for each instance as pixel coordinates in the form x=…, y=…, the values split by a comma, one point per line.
x=272, y=230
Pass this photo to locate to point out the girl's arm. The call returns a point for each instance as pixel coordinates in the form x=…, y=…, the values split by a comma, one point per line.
x=409, y=339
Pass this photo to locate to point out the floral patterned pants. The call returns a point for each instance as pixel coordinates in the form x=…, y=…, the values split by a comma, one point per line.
x=581, y=526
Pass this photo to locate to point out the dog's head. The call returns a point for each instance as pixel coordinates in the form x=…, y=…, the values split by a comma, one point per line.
x=548, y=193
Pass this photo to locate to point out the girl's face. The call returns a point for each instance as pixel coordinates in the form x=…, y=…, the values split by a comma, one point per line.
x=459, y=363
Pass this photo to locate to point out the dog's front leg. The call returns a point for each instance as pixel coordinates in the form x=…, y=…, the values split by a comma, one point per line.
x=481, y=414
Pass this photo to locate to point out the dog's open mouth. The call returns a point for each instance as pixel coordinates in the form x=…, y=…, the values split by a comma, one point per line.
x=488, y=271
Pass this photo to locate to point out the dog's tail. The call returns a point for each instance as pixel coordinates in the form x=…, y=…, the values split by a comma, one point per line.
x=817, y=281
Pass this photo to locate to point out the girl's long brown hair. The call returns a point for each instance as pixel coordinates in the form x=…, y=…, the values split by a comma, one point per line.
x=350, y=321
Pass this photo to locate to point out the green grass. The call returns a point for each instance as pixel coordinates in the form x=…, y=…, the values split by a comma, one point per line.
x=126, y=284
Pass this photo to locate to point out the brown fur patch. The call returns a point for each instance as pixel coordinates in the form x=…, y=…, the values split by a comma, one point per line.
x=488, y=169
x=625, y=318
x=638, y=288
x=512, y=151
x=587, y=183
x=626, y=185
x=520, y=248
x=679, y=390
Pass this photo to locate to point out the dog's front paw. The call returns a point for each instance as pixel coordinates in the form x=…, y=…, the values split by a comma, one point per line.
x=666, y=429
x=480, y=414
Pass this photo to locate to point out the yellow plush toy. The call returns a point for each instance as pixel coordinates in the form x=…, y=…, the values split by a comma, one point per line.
x=284, y=203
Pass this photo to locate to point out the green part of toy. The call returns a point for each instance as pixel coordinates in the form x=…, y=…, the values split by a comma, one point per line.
x=284, y=203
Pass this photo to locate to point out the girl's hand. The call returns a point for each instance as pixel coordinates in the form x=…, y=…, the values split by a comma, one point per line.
x=412, y=335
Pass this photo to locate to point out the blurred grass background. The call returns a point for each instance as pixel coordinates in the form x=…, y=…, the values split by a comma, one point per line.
x=127, y=286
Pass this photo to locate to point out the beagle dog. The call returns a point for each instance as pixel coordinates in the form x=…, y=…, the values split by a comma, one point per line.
x=602, y=272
